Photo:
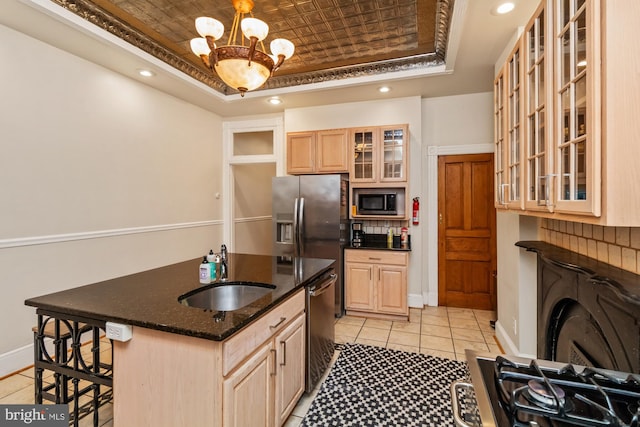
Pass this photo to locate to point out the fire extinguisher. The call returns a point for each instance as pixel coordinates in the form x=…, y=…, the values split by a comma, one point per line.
x=416, y=211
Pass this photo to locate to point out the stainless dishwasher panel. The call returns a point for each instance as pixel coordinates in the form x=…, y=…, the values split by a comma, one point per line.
x=320, y=327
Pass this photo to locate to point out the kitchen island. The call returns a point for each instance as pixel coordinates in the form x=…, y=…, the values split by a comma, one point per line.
x=186, y=365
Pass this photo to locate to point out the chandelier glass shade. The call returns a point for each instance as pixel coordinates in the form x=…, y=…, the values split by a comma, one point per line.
x=243, y=66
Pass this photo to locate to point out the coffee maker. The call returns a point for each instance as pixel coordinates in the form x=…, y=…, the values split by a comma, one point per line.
x=357, y=235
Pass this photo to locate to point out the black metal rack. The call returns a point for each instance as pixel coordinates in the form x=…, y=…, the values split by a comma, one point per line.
x=74, y=375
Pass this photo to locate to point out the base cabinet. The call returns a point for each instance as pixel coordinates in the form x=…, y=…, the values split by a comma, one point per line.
x=254, y=378
x=376, y=283
x=265, y=388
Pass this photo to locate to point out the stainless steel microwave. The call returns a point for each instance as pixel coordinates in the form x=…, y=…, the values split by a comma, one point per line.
x=379, y=201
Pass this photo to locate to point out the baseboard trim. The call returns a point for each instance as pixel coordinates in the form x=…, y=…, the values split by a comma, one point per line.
x=415, y=301
x=58, y=238
x=509, y=346
x=19, y=359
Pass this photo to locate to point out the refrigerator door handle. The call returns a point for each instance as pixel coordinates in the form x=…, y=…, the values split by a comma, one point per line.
x=301, y=227
x=296, y=227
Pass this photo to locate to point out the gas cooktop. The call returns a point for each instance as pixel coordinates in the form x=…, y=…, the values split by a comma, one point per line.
x=513, y=391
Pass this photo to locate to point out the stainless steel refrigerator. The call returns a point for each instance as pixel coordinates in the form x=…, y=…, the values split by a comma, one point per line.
x=310, y=219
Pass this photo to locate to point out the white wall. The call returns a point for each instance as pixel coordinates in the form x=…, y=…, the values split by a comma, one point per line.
x=101, y=176
x=461, y=124
x=377, y=113
x=516, y=328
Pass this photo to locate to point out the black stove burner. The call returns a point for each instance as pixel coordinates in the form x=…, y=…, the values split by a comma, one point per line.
x=532, y=395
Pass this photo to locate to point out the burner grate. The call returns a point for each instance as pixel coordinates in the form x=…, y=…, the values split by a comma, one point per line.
x=592, y=397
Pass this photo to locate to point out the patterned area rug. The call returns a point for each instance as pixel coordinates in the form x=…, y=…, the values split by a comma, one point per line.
x=372, y=386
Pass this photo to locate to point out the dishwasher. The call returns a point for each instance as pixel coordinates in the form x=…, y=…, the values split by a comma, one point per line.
x=320, y=327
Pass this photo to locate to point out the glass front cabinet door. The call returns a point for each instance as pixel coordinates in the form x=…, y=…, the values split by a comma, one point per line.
x=394, y=143
x=576, y=139
x=508, y=137
x=364, y=161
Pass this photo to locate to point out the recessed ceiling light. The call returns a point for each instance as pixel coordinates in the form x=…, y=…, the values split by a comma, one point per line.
x=384, y=89
x=503, y=8
x=275, y=100
x=146, y=73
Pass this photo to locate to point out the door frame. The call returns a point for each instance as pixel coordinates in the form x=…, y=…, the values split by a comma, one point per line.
x=433, y=151
x=229, y=128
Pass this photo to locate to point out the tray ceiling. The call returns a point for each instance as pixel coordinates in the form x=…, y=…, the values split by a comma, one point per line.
x=334, y=39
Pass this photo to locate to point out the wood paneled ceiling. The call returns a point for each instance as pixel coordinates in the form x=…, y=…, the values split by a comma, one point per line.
x=334, y=39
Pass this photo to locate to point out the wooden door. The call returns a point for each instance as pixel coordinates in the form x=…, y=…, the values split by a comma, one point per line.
x=291, y=368
x=466, y=232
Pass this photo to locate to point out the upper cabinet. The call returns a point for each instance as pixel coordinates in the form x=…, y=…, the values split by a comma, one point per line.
x=509, y=131
x=379, y=154
x=317, y=152
x=580, y=92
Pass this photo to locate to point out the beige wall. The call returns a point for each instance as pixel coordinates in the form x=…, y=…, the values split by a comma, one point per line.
x=101, y=176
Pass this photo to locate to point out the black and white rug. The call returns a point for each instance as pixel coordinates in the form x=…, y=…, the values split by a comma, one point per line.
x=373, y=386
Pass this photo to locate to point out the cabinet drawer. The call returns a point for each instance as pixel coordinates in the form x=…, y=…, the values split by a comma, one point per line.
x=376, y=257
x=241, y=345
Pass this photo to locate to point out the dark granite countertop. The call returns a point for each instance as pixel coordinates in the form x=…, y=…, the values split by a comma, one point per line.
x=626, y=283
x=379, y=242
x=150, y=299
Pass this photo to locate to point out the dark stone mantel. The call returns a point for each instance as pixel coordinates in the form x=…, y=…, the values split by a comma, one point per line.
x=626, y=283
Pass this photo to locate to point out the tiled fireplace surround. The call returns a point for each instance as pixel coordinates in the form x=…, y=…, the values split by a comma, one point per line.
x=618, y=246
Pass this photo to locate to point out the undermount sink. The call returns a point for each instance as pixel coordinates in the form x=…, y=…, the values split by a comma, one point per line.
x=226, y=297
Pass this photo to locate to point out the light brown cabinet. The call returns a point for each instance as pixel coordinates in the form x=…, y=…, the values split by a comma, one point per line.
x=376, y=283
x=581, y=106
x=379, y=154
x=316, y=152
x=255, y=377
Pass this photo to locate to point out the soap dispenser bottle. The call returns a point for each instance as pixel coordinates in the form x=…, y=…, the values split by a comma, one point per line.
x=205, y=271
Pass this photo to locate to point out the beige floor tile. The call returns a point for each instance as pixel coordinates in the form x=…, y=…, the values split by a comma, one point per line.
x=494, y=348
x=435, y=311
x=436, y=343
x=415, y=314
x=462, y=323
x=304, y=403
x=374, y=343
x=406, y=327
x=351, y=320
x=293, y=421
x=489, y=337
x=369, y=333
x=407, y=348
x=347, y=330
x=404, y=338
x=461, y=346
x=436, y=331
x=435, y=320
x=24, y=396
x=461, y=357
x=344, y=339
x=460, y=313
x=378, y=324
x=485, y=315
x=14, y=383
x=438, y=353
x=485, y=326
x=467, y=334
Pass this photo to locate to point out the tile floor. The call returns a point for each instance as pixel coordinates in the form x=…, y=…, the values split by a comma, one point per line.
x=438, y=331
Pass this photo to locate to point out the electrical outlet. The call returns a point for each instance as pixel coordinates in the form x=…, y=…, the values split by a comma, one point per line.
x=119, y=332
x=515, y=326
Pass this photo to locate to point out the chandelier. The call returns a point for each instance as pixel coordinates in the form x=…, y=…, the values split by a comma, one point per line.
x=240, y=66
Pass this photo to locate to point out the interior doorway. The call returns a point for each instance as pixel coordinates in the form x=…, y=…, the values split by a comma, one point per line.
x=466, y=232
